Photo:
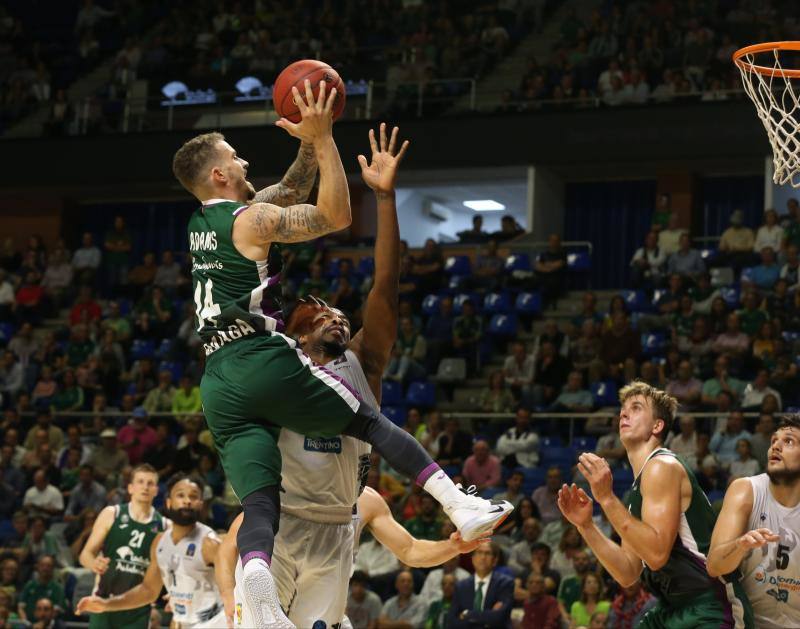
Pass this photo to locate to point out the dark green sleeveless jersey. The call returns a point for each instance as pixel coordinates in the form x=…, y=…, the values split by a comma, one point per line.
x=684, y=575
x=234, y=297
x=128, y=546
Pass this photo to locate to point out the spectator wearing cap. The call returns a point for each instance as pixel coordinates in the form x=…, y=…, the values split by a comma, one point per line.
x=686, y=261
x=87, y=494
x=136, y=437
x=770, y=234
x=519, y=446
x=42, y=586
x=43, y=498
x=482, y=469
x=736, y=243
x=159, y=400
x=108, y=459
x=55, y=436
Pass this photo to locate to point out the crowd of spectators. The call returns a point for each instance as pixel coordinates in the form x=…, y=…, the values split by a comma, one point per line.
x=635, y=52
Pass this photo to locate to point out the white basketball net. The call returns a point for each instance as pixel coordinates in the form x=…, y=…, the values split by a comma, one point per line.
x=779, y=110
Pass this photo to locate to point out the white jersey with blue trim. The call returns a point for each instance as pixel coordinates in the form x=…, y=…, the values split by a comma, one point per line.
x=193, y=593
x=771, y=574
x=322, y=478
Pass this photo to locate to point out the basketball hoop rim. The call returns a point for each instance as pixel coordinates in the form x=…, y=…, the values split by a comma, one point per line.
x=738, y=58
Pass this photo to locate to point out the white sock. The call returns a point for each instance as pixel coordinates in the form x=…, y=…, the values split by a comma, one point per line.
x=255, y=564
x=441, y=487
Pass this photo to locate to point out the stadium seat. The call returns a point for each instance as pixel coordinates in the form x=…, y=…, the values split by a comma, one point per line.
x=332, y=270
x=518, y=262
x=604, y=393
x=504, y=326
x=579, y=262
x=396, y=414
x=747, y=275
x=708, y=254
x=496, y=303
x=491, y=492
x=451, y=370
x=165, y=349
x=458, y=301
x=533, y=477
x=528, y=304
x=550, y=442
x=175, y=368
x=421, y=394
x=366, y=266
x=584, y=444
x=715, y=496
x=457, y=283
x=457, y=265
x=430, y=305
x=730, y=294
x=142, y=348
x=125, y=306
x=653, y=344
x=6, y=331
x=635, y=300
x=721, y=276
x=562, y=456
x=791, y=337
x=391, y=393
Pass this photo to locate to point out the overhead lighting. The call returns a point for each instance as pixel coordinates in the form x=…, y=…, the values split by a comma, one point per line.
x=484, y=205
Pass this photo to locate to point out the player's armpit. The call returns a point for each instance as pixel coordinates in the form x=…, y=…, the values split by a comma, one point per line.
x=725, y=555
x=264, y=223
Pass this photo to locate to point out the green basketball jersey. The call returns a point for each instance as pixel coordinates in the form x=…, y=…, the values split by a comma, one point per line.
x=234, y=297
x=128, y=546
x=684, y=575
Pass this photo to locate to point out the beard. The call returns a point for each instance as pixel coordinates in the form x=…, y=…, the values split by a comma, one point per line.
x=333, y=348
x=784, y=478
x=183, y=517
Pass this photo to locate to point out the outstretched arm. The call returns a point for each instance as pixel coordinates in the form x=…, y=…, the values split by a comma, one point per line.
x=143, y=594
x=731, y=540
x=413, y=552
x=296, y=183
x=373, y=343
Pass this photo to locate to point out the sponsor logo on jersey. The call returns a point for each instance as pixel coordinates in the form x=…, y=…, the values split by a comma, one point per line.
x=223, y=337
x=238, y=613
x=180, y=609
x=207, y=266
x=763, y=517
x=128, y=561
x=203, y=241
x=330, y=446
x=190, y=549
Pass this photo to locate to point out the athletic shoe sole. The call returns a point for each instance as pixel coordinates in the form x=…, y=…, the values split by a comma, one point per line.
x=483, y=524
x=258, y=588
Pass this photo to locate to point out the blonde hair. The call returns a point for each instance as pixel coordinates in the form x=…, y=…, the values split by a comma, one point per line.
x=664, y=405
x=194, y=157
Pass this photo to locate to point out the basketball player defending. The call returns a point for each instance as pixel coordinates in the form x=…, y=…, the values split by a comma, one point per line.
x=666, y=527
x=758, y=532
x=118, y=549
x=182, y=560
x=256, y=380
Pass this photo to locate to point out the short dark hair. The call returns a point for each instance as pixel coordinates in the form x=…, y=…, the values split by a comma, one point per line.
x=359, y=576
x=177, y=477
x=193, y=157
x=87, y=466
x=541, y=546
x=789, y=421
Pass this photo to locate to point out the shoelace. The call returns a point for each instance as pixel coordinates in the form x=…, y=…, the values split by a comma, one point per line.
x=472, y=490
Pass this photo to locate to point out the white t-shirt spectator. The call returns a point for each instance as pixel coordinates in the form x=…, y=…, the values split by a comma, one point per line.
x=685, y=447
x=48, y=498
x=6, y=293
x=740, y=469
x=375, y=559
x=516, y=375
x=768, y=237
x=432, y=588
x=524, y=445
x=753, y=397
x=412, y=612
x=86, y=258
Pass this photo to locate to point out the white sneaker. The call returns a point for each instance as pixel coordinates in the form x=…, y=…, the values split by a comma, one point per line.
x=474, y=516
x=261, y=595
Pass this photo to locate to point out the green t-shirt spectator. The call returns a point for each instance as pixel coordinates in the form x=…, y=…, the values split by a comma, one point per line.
x=750, y=321
x=34, y=590
x=661, y=218
x=683, y=323
x=187, y=403
x=78, y=352
x=712, y=387
x=437, y=614
x=119, y=253
x=70, y=399
x=467, y=327
x=120, y=325
x=792, y=233
x=425, y=529
x=581, y=617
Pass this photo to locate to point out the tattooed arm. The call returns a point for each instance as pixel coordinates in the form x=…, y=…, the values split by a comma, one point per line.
x=296, y=183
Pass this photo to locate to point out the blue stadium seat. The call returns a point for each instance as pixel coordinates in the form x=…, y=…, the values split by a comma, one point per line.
x=6, y=331
x=550, y=442
x=584, y=444
x=747, y=275
x=528, y=303
x=491, y=492
x=457, y=282
x=653, y=343
x=457, y=265
x=658, y=294
x=635, y=300
x=730, y=294
x=332, y=270
x=125, y=306
x=605, y=393
x=391, y=393
x=366, y=266
x=421, y=394
x=502, y=325
x=165, y=349
x=563, y=456
x=458, y=301
x=709, y=254
x=715, y=495
x=791, y=336
x=497, y=303
x=533, y=477
x=430, y=305
x=396, y=414
x=579, y=262
x=518, y=262
x=142, y=348
x=623, y=479
x=175, y=368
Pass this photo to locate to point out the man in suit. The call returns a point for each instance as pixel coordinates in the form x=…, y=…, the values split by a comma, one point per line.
x=485, y=599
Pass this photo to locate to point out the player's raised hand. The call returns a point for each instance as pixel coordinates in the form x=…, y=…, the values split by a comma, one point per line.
x=381, y=170
x=757, y=538
x=316, y=114
x=100, y=564
x=595, y=469
x=91, y=605
x=575, y=505
x=466, y=547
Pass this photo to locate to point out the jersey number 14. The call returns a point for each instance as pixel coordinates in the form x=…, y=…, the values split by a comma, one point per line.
x=205, y=307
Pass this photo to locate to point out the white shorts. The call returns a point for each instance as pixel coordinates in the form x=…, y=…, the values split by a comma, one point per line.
x=216, y=622
x=311, y=565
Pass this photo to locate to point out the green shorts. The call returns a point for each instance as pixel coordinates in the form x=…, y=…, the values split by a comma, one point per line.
x=727, y=608
x=129, y=619
x=255, y=386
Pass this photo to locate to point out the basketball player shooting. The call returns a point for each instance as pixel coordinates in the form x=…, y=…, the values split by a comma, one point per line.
x=182, y=560
x=758, y=532
x=665, y=528
x=256, y=379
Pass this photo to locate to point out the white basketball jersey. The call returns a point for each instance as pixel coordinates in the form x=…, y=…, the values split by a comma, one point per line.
x=323, y=477
x=189, y=580
x=771, y=574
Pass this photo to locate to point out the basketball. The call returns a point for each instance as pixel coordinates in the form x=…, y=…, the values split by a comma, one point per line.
x=295, y=75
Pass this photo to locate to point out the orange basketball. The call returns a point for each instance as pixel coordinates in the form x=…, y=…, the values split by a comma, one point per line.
x=295, y=75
